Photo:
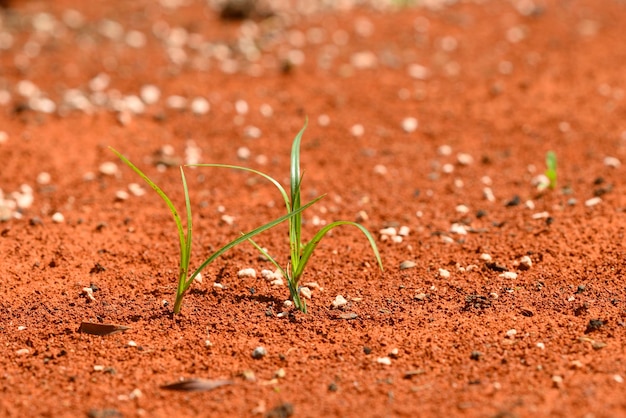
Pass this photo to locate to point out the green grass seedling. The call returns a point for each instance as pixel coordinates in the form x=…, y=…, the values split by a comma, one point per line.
x=300, y=253
x=551, y=169
x=185, y=279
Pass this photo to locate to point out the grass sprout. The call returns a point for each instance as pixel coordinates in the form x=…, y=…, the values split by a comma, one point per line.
x=186, y=277
x=299, y=252
x=551, y=169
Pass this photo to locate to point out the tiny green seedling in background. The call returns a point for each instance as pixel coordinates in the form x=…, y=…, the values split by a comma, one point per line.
x=300, y=253
x=184, y=278
x=551, y=169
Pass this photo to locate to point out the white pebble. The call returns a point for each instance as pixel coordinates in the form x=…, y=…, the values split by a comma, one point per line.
x=323, y=120
x=390, y=231
x=176, y=102
x=131, y=343
x=228, y=219
x=88, y=291
x=270, y=275
x=243, y=153
x=380, y=169
x=218, y=286
x=618, y=378
x=444, y=150
x=58, y=218
x=384, y=360
x=612, y=162
x=593, y=201
x=540, y=215
x=447, y=168
x=339, y=301
x=198, y=278
x=121, y=195
x=150, y=94
x=404, y=231
x=357, y=130
x=22, y=351
x=4, y=137
x=485, y=257
x=457, y=228
x=241, y=107
x=43, y=178
x=488, y=194
x=511, y=333
x=247, y=272
x=464, y=159
x=418, y=71
x=462, y=209
x=444, y=274
x=540, y=346
x=409, y=124
x=306, y=292
x=200, y=106
x=508, y=275
x=136, y=190
x=277, y=282
x=108, y=168
x=526, y=262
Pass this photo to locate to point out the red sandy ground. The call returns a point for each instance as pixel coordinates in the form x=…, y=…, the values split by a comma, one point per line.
x=506, y=81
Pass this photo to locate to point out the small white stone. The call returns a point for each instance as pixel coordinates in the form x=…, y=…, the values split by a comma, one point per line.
x=593, y=201
x=540, y=346
x=176, y=102
x=618, y=378
x=404, y=231
x=22, y=351
x=409, y=124
x=444, y=150
x=464, y=159
x=364, y=60
x=136, y=190
x=4, y=137
x=247, y=273
x=150, y=94
x=98, y=367
x=58, y=218
x=418, y=72
x=462, y=209
x=540, y=215
x=612, y=162
x=88, y=291
x=458, y=229
x=390, y=231
x=384, y=360
x=306, y=292
x=287, y=304
x=339, y=301
x=200, y=106
x=526, y=262
x=488, y=194
x=444, y=274
x=21, y=328
x=397, y=239
x=323, y=120
x=241, y=107
x=135, y=394
x=485, y=257
x=357, y=130
x=108, y=168
x=228, y=219
x=131, y=343
x=43, y=178
x=121, y=195
x=243, y=153
x=266, y=110
x=218, y=286
x=277, y=282
x=508, y=275
x=447, y=168
x=380, y=169
x=198, y=278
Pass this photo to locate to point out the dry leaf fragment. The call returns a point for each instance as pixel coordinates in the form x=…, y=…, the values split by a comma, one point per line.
x=101, y=329
x=197, y=385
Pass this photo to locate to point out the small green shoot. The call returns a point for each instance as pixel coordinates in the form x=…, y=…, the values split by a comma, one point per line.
x=299, y=253
x=184, y=278
x=551, y=169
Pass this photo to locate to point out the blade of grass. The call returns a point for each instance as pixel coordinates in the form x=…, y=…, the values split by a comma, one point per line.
x=295, y=179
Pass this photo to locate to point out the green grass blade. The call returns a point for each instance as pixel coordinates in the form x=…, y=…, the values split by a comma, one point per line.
x=295, y=182
x=168, y=202
x=260, y=173
x=245, y=237
x=311, y=245
x=187, y=252
x=551, y=168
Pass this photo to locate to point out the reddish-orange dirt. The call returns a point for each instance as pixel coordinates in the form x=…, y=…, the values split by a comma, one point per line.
x=497, y=300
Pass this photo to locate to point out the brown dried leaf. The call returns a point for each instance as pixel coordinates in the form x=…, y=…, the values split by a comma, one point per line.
x=94, y=328
x=196, y=385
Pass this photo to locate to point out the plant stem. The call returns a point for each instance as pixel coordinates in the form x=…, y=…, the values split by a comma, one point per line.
x=299, y=303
